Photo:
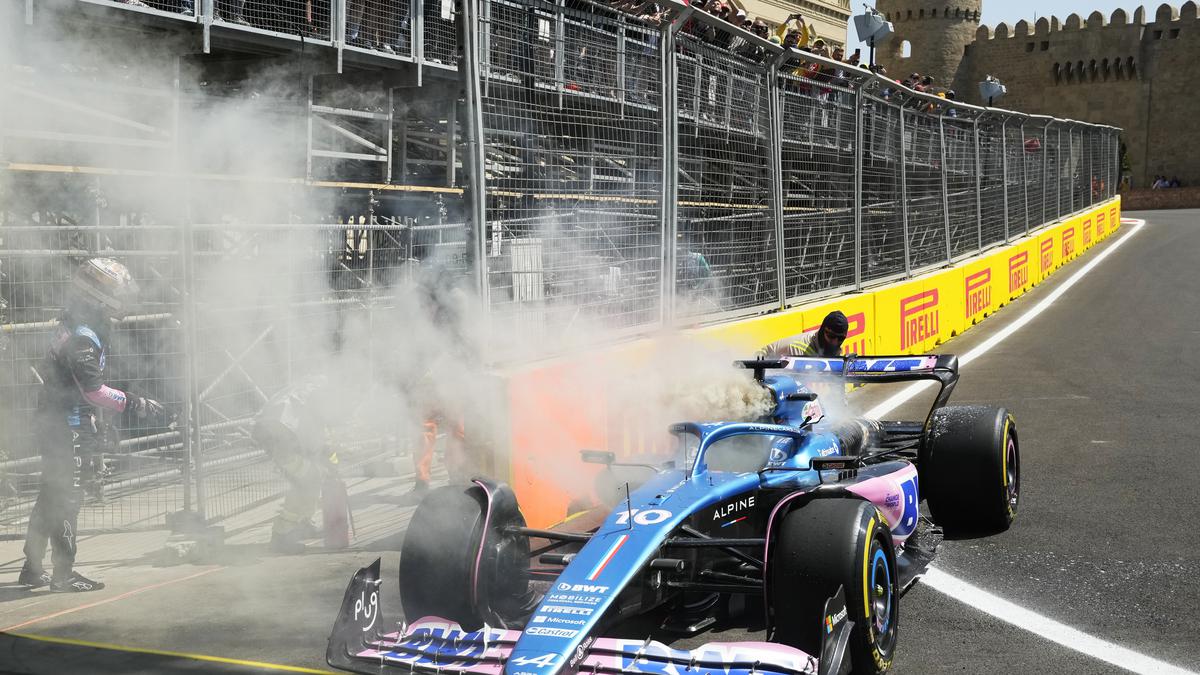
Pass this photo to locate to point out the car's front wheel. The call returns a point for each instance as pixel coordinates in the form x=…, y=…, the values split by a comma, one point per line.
x=827, y=544
x=460, y=564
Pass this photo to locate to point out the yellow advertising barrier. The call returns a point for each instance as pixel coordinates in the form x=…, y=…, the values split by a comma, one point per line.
x=908, y=316
x=1068, y=241
x=1048, y=256
x=978, y=290
x=551, y=418
x=1018, y=263
x=1086, y=233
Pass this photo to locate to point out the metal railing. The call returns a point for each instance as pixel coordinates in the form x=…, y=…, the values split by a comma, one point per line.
x=620, y=176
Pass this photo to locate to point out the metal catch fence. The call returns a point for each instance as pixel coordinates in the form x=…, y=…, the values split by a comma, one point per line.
x=766, y=176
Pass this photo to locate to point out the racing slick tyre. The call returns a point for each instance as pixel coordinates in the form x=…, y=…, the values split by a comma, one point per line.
x=458, y=563
x=821, y=546
x=969, y=468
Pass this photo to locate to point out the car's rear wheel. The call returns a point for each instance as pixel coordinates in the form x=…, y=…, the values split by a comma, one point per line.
x=970, y=468
x=824, y=545
x=457, y=561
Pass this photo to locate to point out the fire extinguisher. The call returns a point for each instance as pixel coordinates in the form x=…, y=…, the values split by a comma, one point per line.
x=336, y=517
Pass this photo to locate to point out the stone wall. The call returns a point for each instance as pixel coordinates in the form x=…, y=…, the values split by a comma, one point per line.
x=1171, y=198
x=1138, y=73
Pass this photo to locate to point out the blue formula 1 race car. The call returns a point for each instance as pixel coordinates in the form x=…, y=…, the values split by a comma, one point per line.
x=811, y=525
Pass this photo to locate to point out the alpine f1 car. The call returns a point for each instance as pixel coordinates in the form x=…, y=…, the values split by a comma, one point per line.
x=812, y=523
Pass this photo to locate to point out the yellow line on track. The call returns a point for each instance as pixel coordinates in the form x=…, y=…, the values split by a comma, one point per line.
x=181, y=655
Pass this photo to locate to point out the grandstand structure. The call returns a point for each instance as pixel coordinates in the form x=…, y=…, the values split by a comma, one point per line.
x=275, y=173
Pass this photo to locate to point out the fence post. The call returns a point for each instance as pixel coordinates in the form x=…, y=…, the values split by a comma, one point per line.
x=1045, y=168
x=206, y=18
x=192, y=469
x=1004, y=171
x=945, y=190
x=978, y=190
x=904, y=196
x=1090, y=175
x=476, y=153
x=775, y=145
x=668, y=198
x=1114, y=156
x=1024, y=180
x=1071, y=151
x=858, y=184
x=1058, y=172
x=560, y=52
x=416, y=29
x=622, y=69
x=337, y=28
x=308, y=118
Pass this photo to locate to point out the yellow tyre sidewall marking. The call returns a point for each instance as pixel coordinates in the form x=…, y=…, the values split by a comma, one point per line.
x=880, y=662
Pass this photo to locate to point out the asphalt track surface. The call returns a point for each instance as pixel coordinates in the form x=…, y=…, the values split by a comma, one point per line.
x=1104, y=388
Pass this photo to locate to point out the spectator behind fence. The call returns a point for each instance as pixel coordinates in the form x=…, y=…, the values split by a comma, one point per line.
x=721, y=38
x=754, y=52
x=375, y=24
x=794, y=32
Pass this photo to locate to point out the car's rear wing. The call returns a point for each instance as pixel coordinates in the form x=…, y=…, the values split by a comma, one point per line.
x=854, y=369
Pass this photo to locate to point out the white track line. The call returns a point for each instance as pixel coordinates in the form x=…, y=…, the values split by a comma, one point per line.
x=996, y=606
x=1048, y=628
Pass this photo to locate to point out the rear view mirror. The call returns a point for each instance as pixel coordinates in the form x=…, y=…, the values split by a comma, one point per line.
x=604, y=457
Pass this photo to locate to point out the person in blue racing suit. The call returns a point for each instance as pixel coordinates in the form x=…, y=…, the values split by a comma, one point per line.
x=69, y=433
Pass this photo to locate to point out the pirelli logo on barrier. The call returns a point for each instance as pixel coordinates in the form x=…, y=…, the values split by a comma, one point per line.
x=856, y=334
x=978, y=288
x=1018, y=271
x=1087, y=232
x=1047, y=254
x=1112, y=217
x=1100, y=225
x=1068, y=243
x=918, y=318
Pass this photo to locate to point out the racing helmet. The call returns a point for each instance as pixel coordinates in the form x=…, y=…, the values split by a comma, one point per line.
x=103, y=287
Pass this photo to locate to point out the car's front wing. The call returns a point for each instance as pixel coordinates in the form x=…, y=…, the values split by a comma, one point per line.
x=437, y=645
x=360, y=643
